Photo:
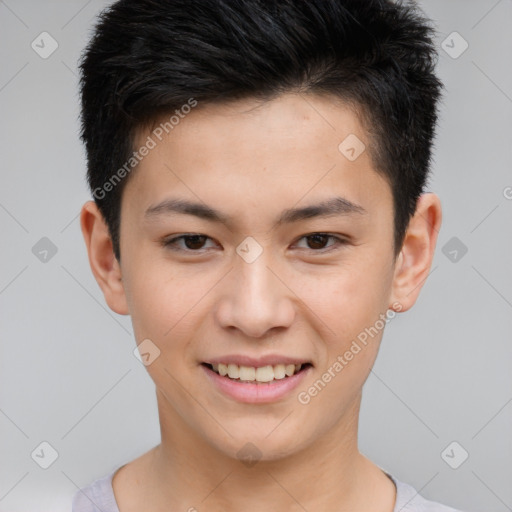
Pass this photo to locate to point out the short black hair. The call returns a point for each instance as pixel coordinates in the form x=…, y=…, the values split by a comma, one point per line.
x=148, y=58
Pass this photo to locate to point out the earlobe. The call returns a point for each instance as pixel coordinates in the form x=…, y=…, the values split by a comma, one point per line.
x=104, y=265
x=415, y=259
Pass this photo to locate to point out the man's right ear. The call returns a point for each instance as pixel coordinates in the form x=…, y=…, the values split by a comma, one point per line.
x=104, y=265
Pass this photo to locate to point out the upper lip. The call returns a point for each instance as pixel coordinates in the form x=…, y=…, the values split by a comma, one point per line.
x=256, y=362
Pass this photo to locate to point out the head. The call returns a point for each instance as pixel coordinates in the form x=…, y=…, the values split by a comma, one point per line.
x=286, y=122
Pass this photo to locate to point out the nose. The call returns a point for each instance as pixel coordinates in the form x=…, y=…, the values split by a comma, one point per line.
x=255, y=298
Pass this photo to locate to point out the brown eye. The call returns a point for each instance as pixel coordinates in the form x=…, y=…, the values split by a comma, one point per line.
x=191, y=243
x=317, y=242
x=194, y=242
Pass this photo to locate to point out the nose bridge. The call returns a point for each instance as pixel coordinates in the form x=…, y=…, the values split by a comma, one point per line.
x=256, y=278
x=256, y=300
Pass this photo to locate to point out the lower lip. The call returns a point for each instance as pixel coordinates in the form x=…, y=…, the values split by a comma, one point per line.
x=256, y=393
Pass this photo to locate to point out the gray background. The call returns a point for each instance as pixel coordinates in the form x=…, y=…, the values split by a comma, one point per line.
x=67, y=372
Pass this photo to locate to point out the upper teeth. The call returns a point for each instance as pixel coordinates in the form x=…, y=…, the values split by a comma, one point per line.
x=262, y=374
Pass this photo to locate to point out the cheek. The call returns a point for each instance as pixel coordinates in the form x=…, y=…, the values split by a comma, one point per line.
x=168, y=305
x=349, y=299
x=350, y=307
x=157, y=299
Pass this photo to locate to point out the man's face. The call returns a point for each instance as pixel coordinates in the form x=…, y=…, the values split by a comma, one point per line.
x=251, y=288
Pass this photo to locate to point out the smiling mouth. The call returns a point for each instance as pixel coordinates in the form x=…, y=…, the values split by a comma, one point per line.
x=261, y=375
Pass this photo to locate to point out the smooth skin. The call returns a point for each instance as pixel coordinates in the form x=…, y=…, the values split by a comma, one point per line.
x=303, y=296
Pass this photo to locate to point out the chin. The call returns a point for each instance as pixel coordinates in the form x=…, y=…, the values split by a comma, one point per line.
x=250, y=449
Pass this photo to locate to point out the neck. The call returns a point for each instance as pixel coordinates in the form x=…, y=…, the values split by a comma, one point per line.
x=187, y=473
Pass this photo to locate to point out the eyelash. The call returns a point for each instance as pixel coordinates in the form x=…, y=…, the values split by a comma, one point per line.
x=170, y=243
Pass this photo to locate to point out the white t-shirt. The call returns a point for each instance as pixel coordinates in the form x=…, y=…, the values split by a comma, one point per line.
x=99, y=497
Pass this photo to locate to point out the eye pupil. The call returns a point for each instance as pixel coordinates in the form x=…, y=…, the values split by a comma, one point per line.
x=194, y=239
x=318, y=239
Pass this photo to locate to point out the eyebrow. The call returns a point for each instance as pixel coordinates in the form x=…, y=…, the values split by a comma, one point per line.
x=336, y=206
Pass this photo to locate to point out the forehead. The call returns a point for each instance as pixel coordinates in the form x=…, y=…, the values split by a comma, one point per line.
x=248, y=152
x=317, y=119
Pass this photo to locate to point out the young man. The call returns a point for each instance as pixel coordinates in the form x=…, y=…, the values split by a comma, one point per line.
x=258, y=170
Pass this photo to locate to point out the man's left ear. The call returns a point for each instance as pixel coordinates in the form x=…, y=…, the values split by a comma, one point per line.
x=415, y=259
